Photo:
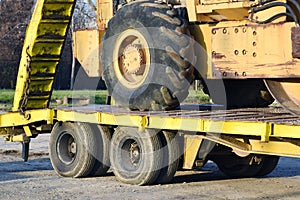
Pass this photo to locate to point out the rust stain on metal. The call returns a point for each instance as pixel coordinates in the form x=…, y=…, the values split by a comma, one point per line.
x=295, y=42
x=289, y=63
x=218, y=55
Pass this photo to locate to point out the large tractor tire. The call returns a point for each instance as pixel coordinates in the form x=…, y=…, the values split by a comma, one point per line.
x=250, y=93
x=148, y=56
x=286, y=92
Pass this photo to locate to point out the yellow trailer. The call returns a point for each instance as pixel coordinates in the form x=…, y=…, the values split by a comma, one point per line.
x=145, y=147
x=243, y=142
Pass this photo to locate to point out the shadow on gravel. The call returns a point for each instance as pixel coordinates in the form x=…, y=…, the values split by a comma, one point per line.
x=287, y=167
x=13, y=170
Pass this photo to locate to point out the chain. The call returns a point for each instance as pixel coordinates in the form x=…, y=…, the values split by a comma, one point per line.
x=27, y=84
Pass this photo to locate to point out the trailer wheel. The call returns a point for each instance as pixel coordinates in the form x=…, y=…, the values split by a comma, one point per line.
x=102, y=136
x=171, y=156
x=268, y=164
x=148, y=56
x=135, y=156
x=238, y=167
x=72, y=147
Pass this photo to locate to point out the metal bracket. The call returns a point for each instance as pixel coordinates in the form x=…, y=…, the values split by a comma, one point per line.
x=144, y=122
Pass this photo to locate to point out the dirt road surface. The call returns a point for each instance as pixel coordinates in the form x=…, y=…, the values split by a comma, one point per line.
x=36, y=179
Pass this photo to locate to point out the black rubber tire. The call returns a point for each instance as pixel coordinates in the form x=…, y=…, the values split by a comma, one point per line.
x=171, y=156
x=102, y=136
x=268, y=164
x=171, y=56
x=65, y=162
x=250, y=93
x=135, y=156
x=235, y=166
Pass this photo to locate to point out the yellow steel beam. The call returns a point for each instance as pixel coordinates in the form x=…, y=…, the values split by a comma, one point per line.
x=23, y=73
x=227, y=133
x=191, y=146
x=280, y=148
x=264, y=130
x=27, y=131
x=12, y=119
x=289, y=131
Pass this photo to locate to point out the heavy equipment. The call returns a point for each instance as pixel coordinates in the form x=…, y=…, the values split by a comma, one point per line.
x=151, y=51
x=190, y=40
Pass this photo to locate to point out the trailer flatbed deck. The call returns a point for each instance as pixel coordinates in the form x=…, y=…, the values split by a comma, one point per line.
x=249, y=121
x=270, y=130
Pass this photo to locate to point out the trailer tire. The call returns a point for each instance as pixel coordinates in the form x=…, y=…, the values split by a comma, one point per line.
x=72, y=147
x=148, y=56
x=269, y=163
x=171, y=156
x=136, y=157
x=102, y=136
x=235, y=166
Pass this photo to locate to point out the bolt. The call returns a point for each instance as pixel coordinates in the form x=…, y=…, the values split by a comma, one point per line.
x=254, y=44
x=224, y=74
x=236, y=30
x=244, y=74
x=244, y=30
x=213, y=53
x=224, y=30
x=236, y=74
x=214, y=31
x=254, y=54
x=236, y=52
x=244, y=52
x=254, y=33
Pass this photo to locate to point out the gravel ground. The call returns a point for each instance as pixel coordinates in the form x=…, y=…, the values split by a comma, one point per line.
x=37, y=180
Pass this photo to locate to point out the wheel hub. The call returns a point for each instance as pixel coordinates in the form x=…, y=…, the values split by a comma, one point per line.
x=133, y=59
x=67, y=148
x=134, y=153
x=72, y=148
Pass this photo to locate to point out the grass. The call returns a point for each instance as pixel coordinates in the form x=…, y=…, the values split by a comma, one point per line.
x=97, y=97
x=197, y=97
x=6, y=96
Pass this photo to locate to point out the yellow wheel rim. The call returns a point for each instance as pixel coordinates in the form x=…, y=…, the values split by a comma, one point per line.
x=286, y=92
x=131, y=58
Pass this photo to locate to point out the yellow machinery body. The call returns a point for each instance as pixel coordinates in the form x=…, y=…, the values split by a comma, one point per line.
x=216, y=26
